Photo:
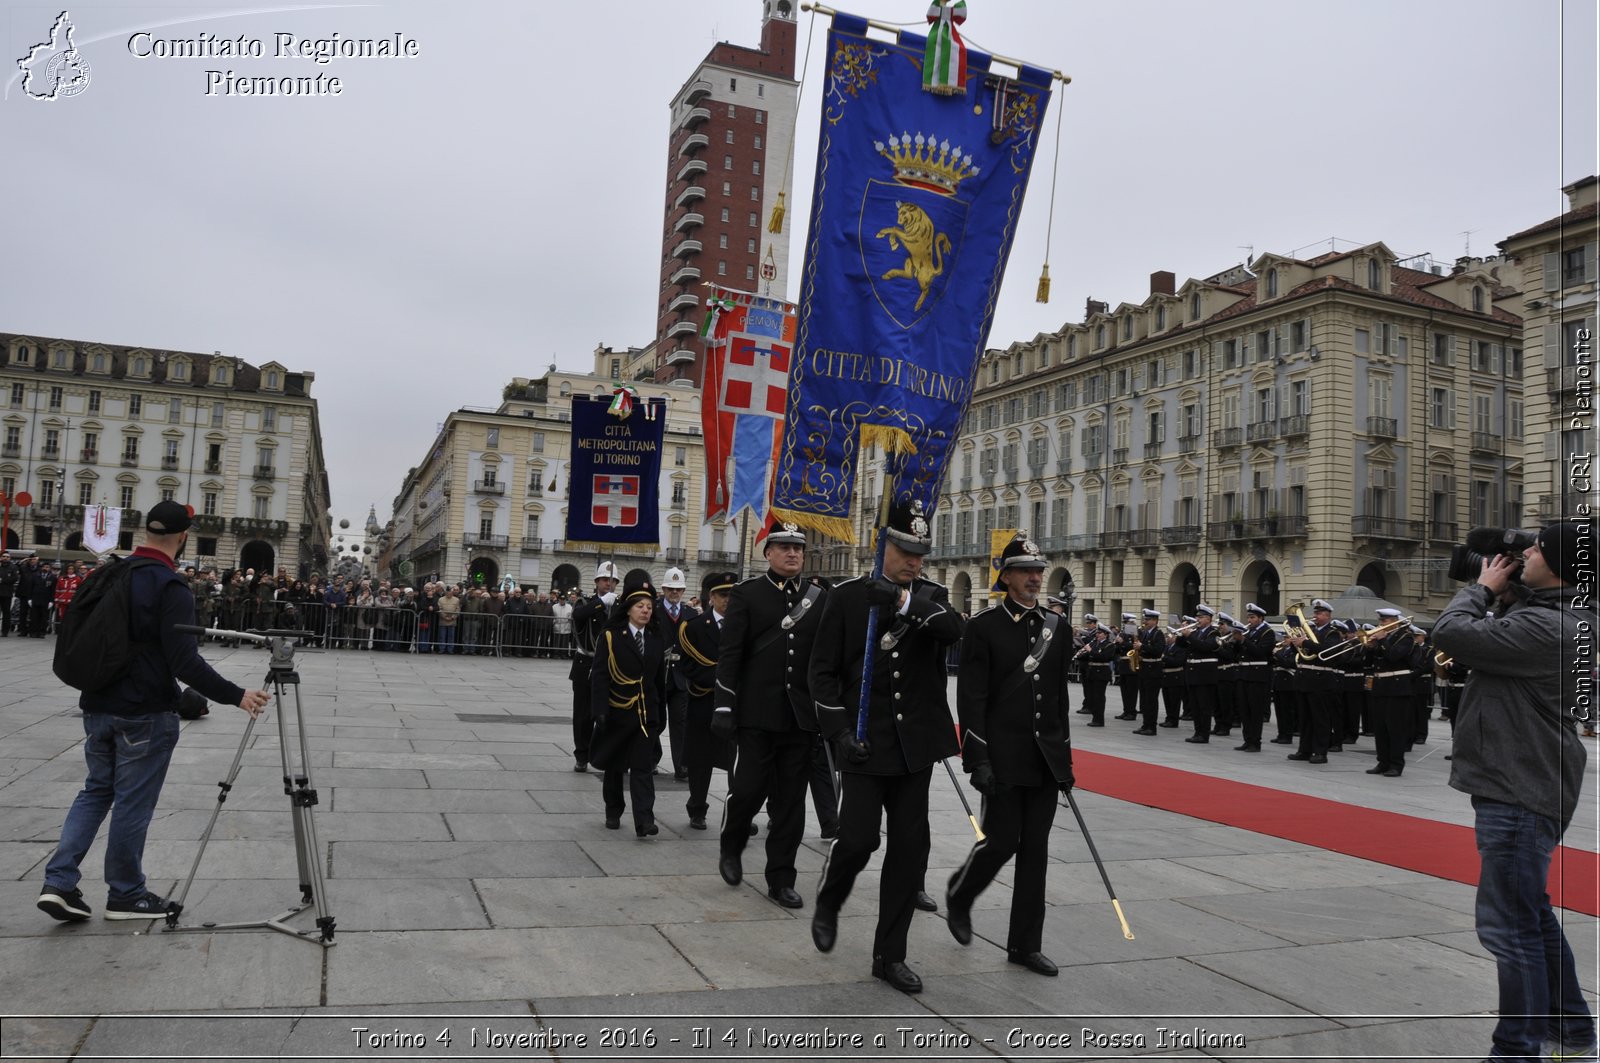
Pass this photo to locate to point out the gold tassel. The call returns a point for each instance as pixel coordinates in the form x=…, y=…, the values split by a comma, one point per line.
x=775, y=223
x=1043, y=295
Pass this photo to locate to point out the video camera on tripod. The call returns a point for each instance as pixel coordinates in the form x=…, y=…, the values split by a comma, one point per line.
x=296, y=757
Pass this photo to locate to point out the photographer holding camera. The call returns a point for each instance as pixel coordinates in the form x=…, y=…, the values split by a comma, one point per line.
x=1517, y=753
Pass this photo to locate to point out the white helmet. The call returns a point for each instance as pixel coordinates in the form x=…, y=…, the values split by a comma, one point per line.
x=674, y=580
x=606, y=570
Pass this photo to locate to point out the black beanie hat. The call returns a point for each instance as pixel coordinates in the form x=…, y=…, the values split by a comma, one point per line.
x=1568, y=548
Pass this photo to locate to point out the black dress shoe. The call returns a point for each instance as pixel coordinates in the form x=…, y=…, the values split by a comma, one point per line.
x=648, y=830
x=1144, y=731
x=1248, y=747
x=959, y=920
x=1126, y=716
x=1391, y=773
x=1318, y=758
x=697, y=823
x=1379, y=770
x=580, y=766
x=1186, y=716
x=1037, y=962
x=754, y=830
x=680, y=775
x=731, y=868
x=824, y=928
x=925, y=903
x=613, y=822
x=1084, y=712
x=1167, y=723
x=897, y=974
x=1336, y=749
x=786, y=896
x=1198, y=740
x=1300, y=756
x=1096, y=723
x=1222, y=733
x=1283, y=741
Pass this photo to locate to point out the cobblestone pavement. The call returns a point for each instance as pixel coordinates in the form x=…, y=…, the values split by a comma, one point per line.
x=483, y=910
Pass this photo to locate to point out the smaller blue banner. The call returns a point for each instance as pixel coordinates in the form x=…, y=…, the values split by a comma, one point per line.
x=613, y=492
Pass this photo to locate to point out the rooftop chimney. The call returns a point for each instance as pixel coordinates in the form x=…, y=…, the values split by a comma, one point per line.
x=1162, y=282
x=1092, y=307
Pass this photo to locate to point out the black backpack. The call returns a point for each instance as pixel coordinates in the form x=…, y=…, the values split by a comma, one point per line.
x=94, y=646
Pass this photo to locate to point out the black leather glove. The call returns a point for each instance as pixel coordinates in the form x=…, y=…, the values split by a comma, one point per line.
x=854, y=749
x=723, y=725
x=1066, y=785
x=983, y=780
x=883, y=592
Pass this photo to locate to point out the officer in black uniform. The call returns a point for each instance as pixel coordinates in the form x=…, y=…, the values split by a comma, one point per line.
x=671, y=612
x=1122, y=668
x=1286, y=683
x=1390, y=697
x=1201, y=645
x=908, y=730
x=1095, y=661
x=1173, y=683
x=1152, y=642
x=10, y=573
x=763, y=704
x=699, y=642
x=1012, y=699
x=1319, y=685
x=628, y=690
x=1254, y=669
x=1228, y=632
x=588, y=621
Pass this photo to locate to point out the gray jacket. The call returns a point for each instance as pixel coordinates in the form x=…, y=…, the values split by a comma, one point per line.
x=1516, y=739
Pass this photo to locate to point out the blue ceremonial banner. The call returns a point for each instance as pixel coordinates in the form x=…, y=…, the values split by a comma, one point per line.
x=916, y=203
x=613, y=479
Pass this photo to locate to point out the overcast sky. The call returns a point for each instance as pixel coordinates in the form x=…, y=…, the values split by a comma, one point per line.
x=493, y=204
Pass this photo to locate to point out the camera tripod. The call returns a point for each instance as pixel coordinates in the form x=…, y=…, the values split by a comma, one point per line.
x=296, y=784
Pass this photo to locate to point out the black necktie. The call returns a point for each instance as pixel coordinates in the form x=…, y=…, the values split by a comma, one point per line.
x=638, y=639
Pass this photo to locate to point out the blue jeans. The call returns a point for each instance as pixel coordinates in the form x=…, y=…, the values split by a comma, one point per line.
x=128, y=758
x=1539, y=995
x=447, y=639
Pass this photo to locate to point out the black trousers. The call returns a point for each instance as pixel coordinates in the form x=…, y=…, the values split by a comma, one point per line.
x=1149, y=696
x=1128, y=687
x=1202, y=701
x=1318, y=707
x=699, y=754
x=1288, y=702
x=582, y=719
x=1392, y=729
x=1227, y=712
x=1256, y=708
x=866, y=799
x=641, y=787
x=677, y=725
x=1094, y=695
x=1172, y=699
x=770, y=766
x=824, y=798
x=1016, y=822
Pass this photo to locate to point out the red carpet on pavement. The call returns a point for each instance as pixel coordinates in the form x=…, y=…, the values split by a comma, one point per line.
x=1443, y=850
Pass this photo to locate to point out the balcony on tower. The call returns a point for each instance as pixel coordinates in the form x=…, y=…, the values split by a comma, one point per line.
x=684, y=327
x=692, y=143
x=686, y=248
x=691, y=220
x=685, y=275
x=693, y=117
x=698, y=91
x=678, y=356
x=689, y=195
x=692, y=168
x=686, y=301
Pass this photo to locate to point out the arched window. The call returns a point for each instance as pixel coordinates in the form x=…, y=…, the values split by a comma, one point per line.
x=1161, y=318
x=1477, y=300
x=1374, y=275
x=1194, y=307
x=1272, y=283
x=1100, y=336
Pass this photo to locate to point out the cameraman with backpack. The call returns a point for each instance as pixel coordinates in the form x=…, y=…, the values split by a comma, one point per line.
x=130, y=717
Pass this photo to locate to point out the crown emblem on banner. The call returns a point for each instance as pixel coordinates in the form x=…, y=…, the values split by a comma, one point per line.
x=923, y=162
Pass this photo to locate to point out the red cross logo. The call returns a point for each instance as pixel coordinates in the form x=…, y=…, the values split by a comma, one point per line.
x=755, y=378
x=616, y=501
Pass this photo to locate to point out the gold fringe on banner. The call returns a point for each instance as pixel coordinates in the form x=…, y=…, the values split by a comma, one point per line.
x=603, y=548
x=1043, y=295
x=775, y=223
x=893, y=440
x=838, y=528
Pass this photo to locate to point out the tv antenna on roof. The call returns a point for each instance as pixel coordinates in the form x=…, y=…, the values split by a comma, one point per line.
x=1466, y=251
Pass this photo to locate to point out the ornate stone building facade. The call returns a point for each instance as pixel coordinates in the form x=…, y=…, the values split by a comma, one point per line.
x=1271, y=434
x=489, y=498
x=86, y=423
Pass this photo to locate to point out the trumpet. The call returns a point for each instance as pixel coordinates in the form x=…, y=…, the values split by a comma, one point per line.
x=1385, y=628
x=1443, y=660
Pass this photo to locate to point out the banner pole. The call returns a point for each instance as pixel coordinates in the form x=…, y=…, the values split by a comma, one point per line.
x=869, y=658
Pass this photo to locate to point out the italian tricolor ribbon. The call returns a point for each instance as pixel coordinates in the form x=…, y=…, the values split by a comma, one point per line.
x=944, y=64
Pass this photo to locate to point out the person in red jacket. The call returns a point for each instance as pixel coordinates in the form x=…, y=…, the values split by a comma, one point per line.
x=66, y=587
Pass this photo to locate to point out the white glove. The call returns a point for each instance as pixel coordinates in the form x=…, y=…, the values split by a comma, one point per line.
x=609, y=598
